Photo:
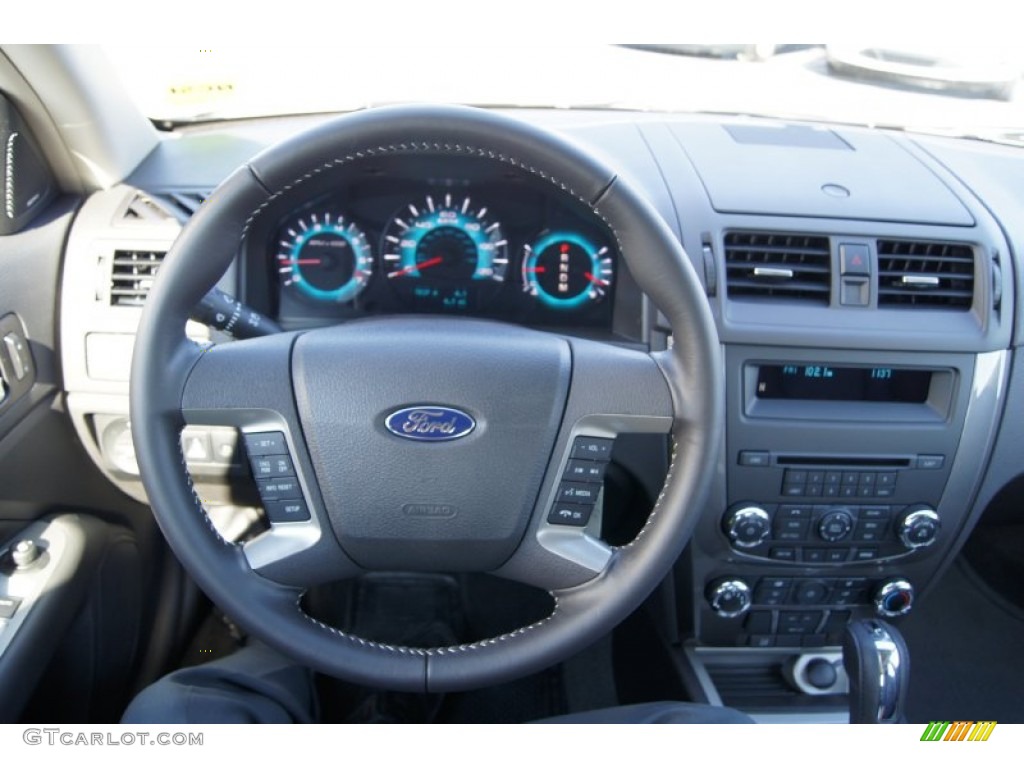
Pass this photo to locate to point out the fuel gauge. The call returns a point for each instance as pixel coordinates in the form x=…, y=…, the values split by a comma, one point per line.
x=565, y=270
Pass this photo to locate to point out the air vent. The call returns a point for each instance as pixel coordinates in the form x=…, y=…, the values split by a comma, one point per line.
x=925, y=274
x=131, y=276
x=778, y=265
x=177, y=206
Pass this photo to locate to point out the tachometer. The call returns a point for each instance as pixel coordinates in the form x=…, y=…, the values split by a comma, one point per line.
x=565, y=270
x=444, y=251
x=324, y=258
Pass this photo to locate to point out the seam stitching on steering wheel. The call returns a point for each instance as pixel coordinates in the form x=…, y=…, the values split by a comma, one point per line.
x=188, y=477
x=454, y=649
x=199, y=502
x=658, y=503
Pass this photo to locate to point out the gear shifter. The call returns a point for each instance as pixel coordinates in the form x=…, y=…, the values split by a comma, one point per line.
x=878, y=665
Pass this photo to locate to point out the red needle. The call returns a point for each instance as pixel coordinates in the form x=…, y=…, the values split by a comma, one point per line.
x=413, y=267
x=594, y=280
x=538, y=270
x=303, y=262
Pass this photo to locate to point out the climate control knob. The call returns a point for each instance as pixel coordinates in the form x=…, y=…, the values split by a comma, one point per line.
x=747, y=526
x=729, y=597
x=918, y=527
x=894, y=598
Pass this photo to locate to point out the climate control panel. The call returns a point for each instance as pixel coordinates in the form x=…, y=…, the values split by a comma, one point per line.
x=770, y=611
x=829, y=533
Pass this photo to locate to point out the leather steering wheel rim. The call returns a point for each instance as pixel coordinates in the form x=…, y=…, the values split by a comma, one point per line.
x=165, y=363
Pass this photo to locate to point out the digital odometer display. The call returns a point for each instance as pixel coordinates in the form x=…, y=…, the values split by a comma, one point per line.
x=823, y=382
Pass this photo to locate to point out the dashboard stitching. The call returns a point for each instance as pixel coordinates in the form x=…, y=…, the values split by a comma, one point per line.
x=454, y=649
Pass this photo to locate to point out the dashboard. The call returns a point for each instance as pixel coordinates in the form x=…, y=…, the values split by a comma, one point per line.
x=462, y=238
x=864, y=284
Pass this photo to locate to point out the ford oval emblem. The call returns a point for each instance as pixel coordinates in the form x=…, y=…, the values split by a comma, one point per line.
x=432, y=423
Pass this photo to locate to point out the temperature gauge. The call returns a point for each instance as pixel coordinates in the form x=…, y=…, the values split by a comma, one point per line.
x=565, y=271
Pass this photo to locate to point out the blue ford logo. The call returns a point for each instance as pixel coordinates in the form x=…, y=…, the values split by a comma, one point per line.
x=430, y=422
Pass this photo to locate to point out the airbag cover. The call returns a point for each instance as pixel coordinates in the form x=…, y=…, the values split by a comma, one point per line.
x=440, y=505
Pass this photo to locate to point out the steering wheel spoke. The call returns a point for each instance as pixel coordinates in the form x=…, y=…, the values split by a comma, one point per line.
x=248, y=386
x=615, y=391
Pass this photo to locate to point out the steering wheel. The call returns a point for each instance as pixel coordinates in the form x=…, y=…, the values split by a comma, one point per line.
x=331, y=404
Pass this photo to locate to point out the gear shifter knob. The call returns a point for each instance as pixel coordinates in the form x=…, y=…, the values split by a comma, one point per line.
x=878, y=665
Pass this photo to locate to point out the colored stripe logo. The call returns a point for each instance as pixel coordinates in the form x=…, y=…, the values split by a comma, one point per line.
x=960, y=730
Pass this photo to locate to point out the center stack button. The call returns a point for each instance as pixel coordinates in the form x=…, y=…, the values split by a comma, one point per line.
x=835, y=525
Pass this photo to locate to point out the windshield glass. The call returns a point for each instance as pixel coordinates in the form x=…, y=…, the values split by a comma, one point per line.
x=973, y=91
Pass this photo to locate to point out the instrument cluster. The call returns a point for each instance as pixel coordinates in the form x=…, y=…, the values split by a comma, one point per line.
x=482, y=248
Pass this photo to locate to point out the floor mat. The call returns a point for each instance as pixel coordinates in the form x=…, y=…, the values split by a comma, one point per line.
x=965, y=653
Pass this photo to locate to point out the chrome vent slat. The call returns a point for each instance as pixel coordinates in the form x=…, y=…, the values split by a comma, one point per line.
x=778, y=265
x=925, y=274
x=131, y=276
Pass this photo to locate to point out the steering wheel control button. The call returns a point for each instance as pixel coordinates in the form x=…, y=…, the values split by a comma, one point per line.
x=748, y=526
x=835, y=525
x=593, y=448
x=286, y=511
x=729, y=597
x=570, y=514
x=919, y=527
x=272, y=466
x=894, y=598
x=265, y=443
x=578, y=493
x=279, y=488
x=582, y=471
x=8, y=606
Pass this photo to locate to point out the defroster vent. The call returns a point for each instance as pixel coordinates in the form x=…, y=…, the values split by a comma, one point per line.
x=778, y=265
x=131, y=276
x=931, y=275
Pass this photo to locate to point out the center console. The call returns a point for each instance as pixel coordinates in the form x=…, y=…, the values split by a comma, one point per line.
x=847, y=477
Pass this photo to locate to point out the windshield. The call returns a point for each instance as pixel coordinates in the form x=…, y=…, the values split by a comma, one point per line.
x=962, y=91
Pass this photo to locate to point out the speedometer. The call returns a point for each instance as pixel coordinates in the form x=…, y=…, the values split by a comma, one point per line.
x=444, y=251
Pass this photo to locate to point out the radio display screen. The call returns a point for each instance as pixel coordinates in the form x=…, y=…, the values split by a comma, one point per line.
x=799, y=381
